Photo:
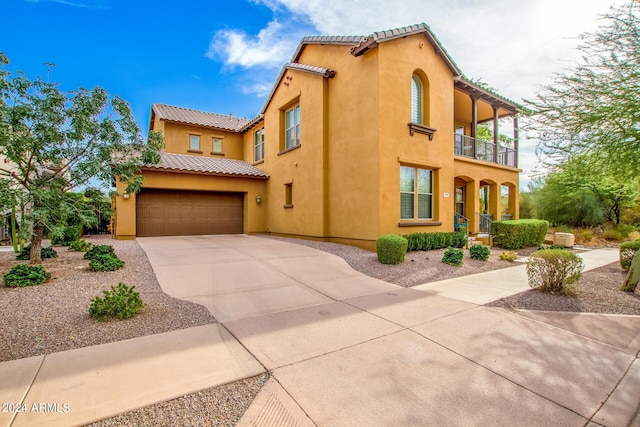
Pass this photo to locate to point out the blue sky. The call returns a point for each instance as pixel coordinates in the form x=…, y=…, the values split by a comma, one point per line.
x=222, y=56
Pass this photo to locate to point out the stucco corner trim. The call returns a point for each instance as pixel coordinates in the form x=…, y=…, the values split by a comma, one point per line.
x=416, y=128
x=419, y=223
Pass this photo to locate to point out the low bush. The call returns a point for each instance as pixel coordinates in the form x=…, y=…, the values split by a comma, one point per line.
x=391, y=249
x=99, y=250
x=122, y=302
x=25, y=255
x=519, y=234
x=587, y=235
x=554, y=247
x=105, y=262
x=508, y=256
x=25, y=275
x=453, y=256
x=613, y=235
x=80, y=245
x=551, y=270
x=480, y=252
x=627, y=252
x=437, y=240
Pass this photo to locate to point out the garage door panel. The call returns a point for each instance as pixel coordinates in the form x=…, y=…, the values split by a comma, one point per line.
x=175, y=213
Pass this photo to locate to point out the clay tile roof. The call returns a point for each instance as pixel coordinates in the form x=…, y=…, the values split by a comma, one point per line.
x=325, y=72
x=199, y=118
x=207, y=165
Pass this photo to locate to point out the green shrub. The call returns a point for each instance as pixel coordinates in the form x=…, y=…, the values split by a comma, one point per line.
x=105, y=262
x=480, y=252
x=437, y=240
x=453, y=256
x=99, y=250
x=554, y=247
x=121, y=302
x=391, y=249
x=70, y=233
x=80, y=245
x=627, y=252
x=587, y=235
x=508, y=256
x=25, y=275
x=551, y=270
x=613, y=235
x=519, y=234
x=25, y=255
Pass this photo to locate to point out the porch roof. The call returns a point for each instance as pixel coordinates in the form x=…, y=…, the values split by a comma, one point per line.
x=185, y=163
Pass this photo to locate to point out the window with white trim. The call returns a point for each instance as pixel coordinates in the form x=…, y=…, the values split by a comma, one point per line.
x=416, y=193
x=416, y=100
x=194, y=142
x=292, y=127
x=258, y=145
x=217, y=145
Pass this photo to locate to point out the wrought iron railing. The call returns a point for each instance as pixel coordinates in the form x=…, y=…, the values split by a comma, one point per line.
x=484, y=221
x=461, y=223
x=479, y=149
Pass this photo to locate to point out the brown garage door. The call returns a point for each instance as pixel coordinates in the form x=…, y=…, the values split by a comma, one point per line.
x=181, y=213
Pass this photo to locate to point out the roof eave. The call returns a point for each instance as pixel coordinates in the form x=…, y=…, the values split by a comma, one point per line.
x=493, y=98
x=207, y=173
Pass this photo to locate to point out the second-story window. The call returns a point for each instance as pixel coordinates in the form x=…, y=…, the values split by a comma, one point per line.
x=416, y=100
x=292, y=127
x=194, y=142
x=258, y=145
x=217, y=145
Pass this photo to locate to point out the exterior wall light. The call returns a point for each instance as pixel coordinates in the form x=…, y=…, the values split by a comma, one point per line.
x=258, y=199
x=126, y=196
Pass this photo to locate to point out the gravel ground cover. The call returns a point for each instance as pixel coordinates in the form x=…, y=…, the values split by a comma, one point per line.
x=54, y=316
x=598, y=290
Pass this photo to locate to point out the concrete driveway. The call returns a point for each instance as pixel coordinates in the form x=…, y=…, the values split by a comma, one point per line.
x=346, y=349
x=240, y=276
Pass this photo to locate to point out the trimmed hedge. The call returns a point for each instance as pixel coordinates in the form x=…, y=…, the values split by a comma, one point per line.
x=391, y=249
x=437, y=240
x=551, y=270
x=627, y=252
x=519, y=233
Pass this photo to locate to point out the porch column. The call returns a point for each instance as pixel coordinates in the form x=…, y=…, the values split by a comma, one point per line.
x=474, y=124
x=496, y=134
x=514, y=202
x=515, y=137
x=472, y=205
x=495, y=202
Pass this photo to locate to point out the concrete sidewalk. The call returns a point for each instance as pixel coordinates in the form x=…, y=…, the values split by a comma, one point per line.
x=84, y=385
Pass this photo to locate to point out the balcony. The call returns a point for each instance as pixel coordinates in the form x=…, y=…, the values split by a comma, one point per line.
x=478, y=149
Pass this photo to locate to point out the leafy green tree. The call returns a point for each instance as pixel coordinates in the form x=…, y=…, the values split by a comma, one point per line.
x=595, y=109
x=580, y=192
x=59, y=141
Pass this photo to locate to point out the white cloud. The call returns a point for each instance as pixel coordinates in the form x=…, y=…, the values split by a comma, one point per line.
x=271, y=47
x=92, y=4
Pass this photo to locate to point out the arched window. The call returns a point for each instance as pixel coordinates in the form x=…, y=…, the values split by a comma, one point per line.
x=416, y=100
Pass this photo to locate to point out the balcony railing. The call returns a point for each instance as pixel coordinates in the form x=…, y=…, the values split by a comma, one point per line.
x=473, y=148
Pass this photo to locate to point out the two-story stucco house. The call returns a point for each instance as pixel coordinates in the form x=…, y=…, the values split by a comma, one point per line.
x=359, y=137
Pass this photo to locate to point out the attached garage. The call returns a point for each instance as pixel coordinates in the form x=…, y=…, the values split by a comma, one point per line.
x=181, y=213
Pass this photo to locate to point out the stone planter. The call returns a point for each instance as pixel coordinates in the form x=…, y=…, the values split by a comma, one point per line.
x=565, y=239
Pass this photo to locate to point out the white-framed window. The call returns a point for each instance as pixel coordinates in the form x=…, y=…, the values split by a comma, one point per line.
x=416, y=193
x=217, y=145
x=258, y=145
x=416, y=100
x=194, y=142
x=292, y=127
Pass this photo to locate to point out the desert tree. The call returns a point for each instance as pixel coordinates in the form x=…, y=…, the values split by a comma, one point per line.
x=594, y=109
x=56, y=142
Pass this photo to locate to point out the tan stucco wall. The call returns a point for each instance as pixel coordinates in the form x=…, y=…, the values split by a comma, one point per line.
x=176, y=137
